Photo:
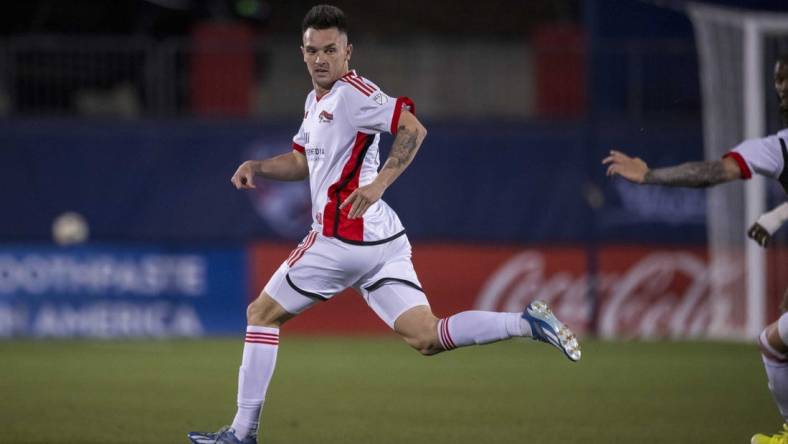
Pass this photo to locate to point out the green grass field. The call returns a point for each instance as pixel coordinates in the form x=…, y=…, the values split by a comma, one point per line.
x=348, y=391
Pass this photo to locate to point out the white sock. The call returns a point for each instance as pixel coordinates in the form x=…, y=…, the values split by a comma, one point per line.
x=257, y=368
x=776, y=365
x=782, y=328
x=777, y=372
x=480, y=327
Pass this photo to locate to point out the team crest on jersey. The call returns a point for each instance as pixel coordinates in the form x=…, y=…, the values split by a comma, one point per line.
x=325, y=117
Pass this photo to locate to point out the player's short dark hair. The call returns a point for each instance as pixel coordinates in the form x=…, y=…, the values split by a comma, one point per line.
x=782, y=58
x=324, y=17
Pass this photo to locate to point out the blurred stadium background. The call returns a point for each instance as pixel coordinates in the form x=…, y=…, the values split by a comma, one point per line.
x=127, y=258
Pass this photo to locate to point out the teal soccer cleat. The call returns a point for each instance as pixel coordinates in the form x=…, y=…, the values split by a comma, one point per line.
x=546, y=327
x=225, y=435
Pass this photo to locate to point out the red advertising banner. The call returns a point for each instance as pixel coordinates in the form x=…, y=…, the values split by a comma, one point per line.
x=640, y=292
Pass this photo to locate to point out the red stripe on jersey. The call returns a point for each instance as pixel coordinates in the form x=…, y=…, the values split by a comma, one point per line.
x=359, y=85
x=402, y=102
x=335, y=220
x=745, y=170
x=355, y=85
x=299, y=148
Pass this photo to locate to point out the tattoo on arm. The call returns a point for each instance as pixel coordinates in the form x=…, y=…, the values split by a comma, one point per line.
x=403, y=149
x=690, y=174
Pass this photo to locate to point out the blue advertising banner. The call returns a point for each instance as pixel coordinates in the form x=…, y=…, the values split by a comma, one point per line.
x=116, y=291
x=169, y=182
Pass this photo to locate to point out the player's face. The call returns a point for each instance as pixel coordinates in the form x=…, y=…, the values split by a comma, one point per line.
x=781, y=85
x=326, y=54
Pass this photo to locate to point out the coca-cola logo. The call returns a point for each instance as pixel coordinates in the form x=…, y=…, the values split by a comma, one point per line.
x=675, y=294
x=524, y=278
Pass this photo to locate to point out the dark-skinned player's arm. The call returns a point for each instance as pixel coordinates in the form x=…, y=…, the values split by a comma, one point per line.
x=410, y=135
x=691, y=174
x=286, y=167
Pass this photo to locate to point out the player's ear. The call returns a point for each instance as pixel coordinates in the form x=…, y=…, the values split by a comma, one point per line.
x=348, y=52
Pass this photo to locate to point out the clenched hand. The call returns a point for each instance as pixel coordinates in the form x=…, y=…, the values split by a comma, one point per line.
x=243, y=179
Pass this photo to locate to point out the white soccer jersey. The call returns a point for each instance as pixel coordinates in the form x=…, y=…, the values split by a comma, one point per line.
x=339, y=137
x=767, y=156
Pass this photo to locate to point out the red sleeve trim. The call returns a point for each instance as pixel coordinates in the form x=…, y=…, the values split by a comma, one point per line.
x=299, y=148
x=745, y=170
x=402, y=102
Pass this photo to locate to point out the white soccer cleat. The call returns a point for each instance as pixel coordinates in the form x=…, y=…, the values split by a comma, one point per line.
x=547, y=328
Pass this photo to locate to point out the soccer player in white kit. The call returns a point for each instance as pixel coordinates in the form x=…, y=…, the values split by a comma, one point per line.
x=356, y=240
x=767, y=156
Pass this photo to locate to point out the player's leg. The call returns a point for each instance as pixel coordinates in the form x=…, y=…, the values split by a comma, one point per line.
x=430, y=335
x=394, y=293
x=772, y=341
x=264, y=316
x=279, y=301
x=775, y=360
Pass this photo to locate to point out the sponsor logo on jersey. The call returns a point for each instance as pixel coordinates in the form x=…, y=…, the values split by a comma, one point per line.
x=325, y=117
x=315, y=153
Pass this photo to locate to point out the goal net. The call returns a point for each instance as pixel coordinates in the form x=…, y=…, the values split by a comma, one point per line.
x=737, y=50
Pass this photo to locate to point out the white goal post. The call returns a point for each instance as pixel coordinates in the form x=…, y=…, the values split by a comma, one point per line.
x=734, y=109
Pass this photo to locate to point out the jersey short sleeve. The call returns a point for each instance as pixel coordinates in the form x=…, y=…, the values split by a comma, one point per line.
x=376, y=112
x=762, y=156
x=299, y=140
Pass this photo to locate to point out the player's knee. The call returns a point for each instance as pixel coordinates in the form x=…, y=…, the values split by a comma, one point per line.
x=256, y=314
x=419, y=328
x=265, y=312
x=425, y=339
x=425, y=346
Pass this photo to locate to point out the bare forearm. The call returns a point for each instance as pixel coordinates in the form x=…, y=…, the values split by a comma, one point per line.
x=403, y=150
x=285, y=167
x=690, y=174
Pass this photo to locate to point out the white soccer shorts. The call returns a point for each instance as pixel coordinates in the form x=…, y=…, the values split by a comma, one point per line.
x=323, y=266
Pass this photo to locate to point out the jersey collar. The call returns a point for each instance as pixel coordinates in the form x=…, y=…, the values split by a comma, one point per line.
x=351, y=73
